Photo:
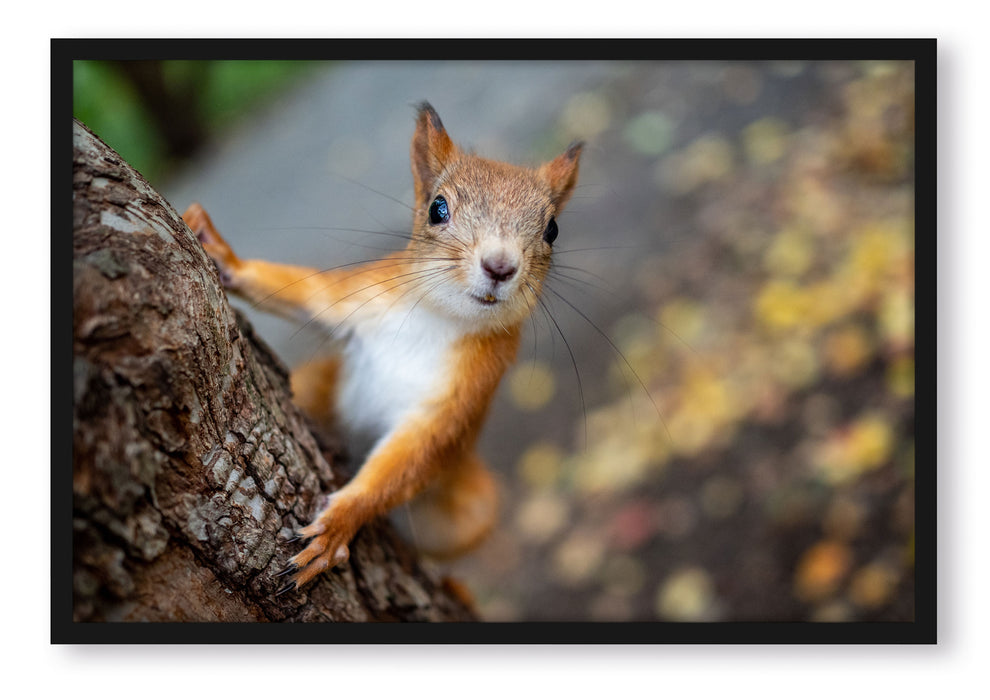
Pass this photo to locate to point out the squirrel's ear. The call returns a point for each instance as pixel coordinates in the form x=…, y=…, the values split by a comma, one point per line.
x=430, y=152
x=562, y=173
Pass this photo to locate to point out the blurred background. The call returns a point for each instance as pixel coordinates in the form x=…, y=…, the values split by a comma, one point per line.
x=717, y=423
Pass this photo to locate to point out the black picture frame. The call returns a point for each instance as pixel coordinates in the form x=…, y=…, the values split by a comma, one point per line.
x=921, y=631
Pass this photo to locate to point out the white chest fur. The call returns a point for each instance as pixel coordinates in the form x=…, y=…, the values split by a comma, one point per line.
x=392, y=364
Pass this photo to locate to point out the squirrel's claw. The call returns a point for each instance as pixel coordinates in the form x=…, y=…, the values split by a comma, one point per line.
x=291, y=568
x=285, y=589
x=327, y=539
x=315, y=559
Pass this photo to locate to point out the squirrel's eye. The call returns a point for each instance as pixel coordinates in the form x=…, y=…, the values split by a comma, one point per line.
x=550, y=235
x=438, y=211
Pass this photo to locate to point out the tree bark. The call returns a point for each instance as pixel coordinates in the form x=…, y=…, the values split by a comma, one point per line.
x=191, y=466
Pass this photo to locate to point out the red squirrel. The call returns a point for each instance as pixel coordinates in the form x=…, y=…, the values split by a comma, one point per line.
x=425, y=335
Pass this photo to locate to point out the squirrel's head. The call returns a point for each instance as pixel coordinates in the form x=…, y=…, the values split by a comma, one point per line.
x=484, y=229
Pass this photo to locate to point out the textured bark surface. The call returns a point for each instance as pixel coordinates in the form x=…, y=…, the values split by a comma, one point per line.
x=191, y=466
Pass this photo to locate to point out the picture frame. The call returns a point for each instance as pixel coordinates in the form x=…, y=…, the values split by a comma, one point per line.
x=919, y=630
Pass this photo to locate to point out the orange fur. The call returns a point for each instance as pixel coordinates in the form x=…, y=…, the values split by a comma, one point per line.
x=497, y=212
x=314, y=386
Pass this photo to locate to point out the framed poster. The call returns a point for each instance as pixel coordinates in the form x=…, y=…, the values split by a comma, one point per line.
x=708, y=433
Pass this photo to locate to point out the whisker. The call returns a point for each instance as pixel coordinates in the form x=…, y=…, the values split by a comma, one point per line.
x=324, y=230
x=372, y=189
x=421, y=274
x=358, y=291
x=619, y=353
x=431, y=273
x=257, y=305
x=573, y=281
x=393, y=262
x=596, y=248
x=360, y=306
x=610, y=290
x=344, y=229
x=546, y=323
x=532, y=323
x=423, y=296
x=577, y=374
x=536, y=297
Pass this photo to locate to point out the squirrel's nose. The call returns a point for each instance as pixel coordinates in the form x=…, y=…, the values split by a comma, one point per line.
x=498, y=267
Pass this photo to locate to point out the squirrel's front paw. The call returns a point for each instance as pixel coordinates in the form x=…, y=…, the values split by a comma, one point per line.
x=215, y=246
x=329, y=536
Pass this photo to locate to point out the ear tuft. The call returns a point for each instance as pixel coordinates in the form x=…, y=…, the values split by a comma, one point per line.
x=430, y=152
x=425, y=109
x=561, y=174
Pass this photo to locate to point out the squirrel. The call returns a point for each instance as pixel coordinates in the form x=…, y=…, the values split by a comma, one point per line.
x=425, y=335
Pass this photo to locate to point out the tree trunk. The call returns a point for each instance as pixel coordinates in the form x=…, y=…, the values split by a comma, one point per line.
x=191, y=466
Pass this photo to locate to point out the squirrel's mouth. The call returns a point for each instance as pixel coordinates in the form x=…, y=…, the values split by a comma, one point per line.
x=485, y=299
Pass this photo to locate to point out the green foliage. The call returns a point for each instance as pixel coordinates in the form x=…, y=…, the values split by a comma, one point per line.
x=221, y=92
x=236, y=85
x=108, y=104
